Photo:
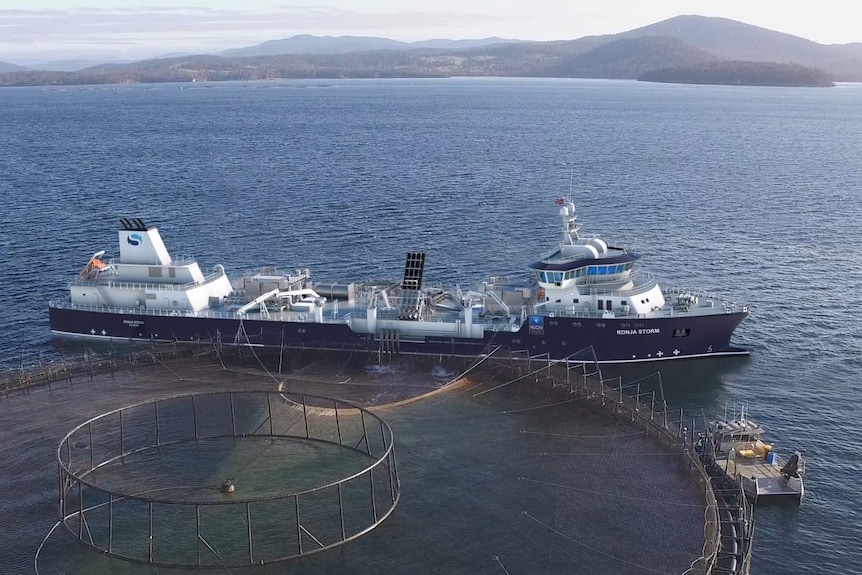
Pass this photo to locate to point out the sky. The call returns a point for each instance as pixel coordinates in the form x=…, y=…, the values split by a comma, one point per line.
x=40, y=30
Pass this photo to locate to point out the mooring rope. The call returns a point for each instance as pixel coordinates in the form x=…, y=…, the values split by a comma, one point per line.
x=214, y=552
x=627, y=454
x=582, y=436
x=542, y=406
x=548, y=365
x=477, y=385
x=259, y=361
x=163, y=364
x=500, y=563
x=471, y=368
x=217, y=352
x=591, y=548
x=345, y=363
x=608, y=494
x=511, y=381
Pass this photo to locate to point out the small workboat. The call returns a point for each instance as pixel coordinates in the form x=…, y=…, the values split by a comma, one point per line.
x=738, y=449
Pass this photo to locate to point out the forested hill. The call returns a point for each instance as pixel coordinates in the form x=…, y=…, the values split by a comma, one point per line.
x=683, y=45
x=626, y=59
x=741, y=73
x=731, y=40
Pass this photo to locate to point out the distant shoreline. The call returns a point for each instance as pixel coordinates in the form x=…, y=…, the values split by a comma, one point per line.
x=742, y=73
x=688, y=49
x=650, y=78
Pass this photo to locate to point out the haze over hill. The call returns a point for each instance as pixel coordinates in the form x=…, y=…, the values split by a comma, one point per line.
x=680, y=43
x=308, y=44
x=9, y=67
x=731, y=40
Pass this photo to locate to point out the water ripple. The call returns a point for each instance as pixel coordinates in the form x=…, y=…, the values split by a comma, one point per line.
x=749, y=192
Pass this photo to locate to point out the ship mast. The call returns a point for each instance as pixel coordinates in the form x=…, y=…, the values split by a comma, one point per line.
x=570, y=223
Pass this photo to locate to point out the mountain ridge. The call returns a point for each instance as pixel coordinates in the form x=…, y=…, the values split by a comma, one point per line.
x=733, y=40
x=10, y=67
x=679, y=43
x=310, y=44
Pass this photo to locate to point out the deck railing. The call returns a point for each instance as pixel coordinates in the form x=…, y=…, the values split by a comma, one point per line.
x=149, y=286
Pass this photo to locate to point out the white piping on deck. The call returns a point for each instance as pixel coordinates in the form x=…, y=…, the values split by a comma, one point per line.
x=274, y=294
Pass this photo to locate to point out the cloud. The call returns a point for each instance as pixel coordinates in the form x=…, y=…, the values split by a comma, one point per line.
x=45, y=25
x=149, y=31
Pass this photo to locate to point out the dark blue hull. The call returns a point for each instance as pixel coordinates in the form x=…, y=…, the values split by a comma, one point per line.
x=612, y=340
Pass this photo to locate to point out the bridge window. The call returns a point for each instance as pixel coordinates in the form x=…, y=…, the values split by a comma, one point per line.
x=591, y=270
x=603, y=270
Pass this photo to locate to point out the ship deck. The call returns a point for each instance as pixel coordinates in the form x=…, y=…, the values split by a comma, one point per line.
x=343, y=311
x=765, y=476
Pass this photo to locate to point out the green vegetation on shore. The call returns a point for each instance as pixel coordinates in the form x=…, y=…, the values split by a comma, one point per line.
x=742, y=74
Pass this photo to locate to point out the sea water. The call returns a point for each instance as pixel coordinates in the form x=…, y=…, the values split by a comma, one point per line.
x=752, y=193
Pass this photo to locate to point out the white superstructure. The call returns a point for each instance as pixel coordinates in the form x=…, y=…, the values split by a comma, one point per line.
x=146, y=277
x=585, y=275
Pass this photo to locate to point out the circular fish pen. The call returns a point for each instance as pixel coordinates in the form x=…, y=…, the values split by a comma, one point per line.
x=226, y=479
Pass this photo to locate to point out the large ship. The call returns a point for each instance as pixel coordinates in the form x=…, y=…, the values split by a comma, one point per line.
x=583, y=300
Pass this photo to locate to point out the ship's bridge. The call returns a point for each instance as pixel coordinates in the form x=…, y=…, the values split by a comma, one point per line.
x=554, y=269
x=578, y=260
